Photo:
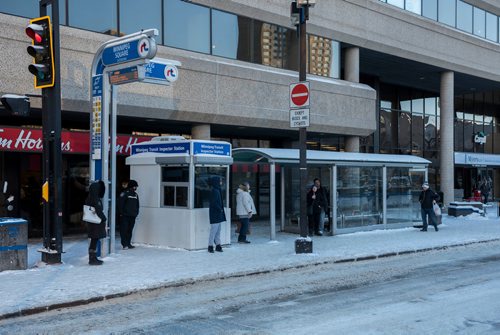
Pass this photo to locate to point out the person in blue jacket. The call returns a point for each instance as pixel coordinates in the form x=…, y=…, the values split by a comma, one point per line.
x=216, y=214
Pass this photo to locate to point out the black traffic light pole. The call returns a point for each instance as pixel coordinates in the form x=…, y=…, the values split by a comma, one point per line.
x=52, y=157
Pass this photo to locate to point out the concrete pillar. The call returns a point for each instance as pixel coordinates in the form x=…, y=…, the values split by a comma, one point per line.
x=201, y=132
x=447, y=166
x=352, y=144
x=351, y=65
x=351, y=73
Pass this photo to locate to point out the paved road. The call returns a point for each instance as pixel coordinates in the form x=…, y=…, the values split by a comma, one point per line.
x=454, y=291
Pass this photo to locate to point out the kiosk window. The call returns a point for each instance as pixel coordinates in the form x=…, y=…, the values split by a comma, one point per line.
x=175, y=195
x=175, y=174
x=203, y=187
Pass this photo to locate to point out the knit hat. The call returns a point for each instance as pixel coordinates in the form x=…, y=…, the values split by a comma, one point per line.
x=132, y=183
x=425, y=185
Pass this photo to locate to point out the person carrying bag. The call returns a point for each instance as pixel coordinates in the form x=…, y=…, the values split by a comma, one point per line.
x=96, y=231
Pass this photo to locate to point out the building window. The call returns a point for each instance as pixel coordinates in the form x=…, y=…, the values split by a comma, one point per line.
x=26, y=8
x=414, y=6
x=429, y=9
x=464, y=16
x=397, y=3
x=95, y=15
x=175, y=184
x=134, y=17
x=323, y=57
x=187, y=26
x=491, y=27
x=225, y=34
x=479, y=22
x=446, y=12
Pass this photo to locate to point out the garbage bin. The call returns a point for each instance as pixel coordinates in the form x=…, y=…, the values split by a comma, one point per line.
x=13, y=244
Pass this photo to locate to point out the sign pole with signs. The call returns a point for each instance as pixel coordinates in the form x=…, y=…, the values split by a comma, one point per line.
x=120, y=61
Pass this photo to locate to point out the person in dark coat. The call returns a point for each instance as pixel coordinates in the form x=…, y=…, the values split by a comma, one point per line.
x=96, y=231
x=427, y=199
x=317, y=203
x=129, y=209
x=216, y=214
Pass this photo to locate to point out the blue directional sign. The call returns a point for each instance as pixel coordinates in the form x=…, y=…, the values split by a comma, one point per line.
x=160, y=71
x=139, y=48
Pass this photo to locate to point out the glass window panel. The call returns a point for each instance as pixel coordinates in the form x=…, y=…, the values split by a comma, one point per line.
x=359, y=191
x=174, y=174
x=187, y=26
x=417, y=136
x=430, y=106
x=429, y=9
x=446, y=12
x=488, y=130
x=26, y=8
x=95, y=15
x=399, y=196
x=459, y=134
x=168, y=195
x=385, y=129
x=321, y=56
x=397, y=3
x=468, y=132
x=181, y=196
x=491, y=27
x=269, y=42
x=414, y=6
x=430, y=130
x=479, y=22
x=291, y=50
x=203, y=186
x=133, y=17
x=405, y=105
x=417, y=106
x=225, y=34
x=404, y=132
x=464, y=16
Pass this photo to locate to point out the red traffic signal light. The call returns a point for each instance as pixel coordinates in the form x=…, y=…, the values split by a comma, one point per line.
x=40, y=32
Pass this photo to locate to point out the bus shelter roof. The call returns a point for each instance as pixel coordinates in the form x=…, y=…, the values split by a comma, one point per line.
x=291, y=156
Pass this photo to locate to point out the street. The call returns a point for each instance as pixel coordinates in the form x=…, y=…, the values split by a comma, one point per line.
x=449, y=291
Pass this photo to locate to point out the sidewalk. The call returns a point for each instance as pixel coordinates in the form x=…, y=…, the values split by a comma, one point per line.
x=74, y=282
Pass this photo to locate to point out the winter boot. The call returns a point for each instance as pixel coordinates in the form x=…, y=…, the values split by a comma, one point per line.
x=218, y=248
x=93, y=260
x=211, y=249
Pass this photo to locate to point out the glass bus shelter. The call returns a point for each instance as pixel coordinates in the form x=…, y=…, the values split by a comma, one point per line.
x=365, y=191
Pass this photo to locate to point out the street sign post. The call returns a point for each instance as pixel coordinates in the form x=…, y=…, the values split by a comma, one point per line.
x=138, y=47
x=161, y=71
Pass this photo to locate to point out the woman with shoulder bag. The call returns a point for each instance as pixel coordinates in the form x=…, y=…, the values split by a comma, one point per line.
x=96, y=231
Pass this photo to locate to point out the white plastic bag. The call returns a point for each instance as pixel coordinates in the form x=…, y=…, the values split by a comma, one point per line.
x=437, y=209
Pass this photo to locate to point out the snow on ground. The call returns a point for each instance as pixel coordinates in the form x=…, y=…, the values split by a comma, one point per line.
x=151, y=266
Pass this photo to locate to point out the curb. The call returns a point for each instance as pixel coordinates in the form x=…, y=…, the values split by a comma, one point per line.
x=186, y=282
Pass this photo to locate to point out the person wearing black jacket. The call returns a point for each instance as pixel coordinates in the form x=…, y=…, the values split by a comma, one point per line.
x=317, y=203
x=216, y=214
x=129, y=209
x=427, y=199
x=96, y=231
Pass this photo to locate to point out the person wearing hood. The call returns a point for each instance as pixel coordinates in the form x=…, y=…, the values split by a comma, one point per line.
x=216, y=214
x=96, y=231
x=128, y=208
x=245, y=208
x=427, y=199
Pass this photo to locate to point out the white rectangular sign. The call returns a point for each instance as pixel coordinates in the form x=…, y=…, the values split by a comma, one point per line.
x=299, y=118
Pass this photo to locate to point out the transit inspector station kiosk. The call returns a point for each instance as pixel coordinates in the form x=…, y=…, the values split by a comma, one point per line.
x=174, y=176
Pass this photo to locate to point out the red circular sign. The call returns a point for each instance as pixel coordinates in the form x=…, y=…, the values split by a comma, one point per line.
x=300, y=94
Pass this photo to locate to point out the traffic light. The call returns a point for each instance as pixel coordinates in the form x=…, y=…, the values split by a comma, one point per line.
x=40, y=31
x=16, y=104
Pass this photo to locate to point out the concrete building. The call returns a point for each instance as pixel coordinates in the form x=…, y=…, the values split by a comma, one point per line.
x=415, y=77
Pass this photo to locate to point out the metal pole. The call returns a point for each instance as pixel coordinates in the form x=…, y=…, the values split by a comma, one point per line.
x=52, y=156
x=272, y=173
x=303, y=130
x=106, y=93
x=112, y=221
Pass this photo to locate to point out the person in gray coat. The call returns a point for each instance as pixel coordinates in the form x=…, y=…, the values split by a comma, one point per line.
x=216, y=214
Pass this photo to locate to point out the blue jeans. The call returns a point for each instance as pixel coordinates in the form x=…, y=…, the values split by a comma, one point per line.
x=432, y=217
x=244, y=229
x=214, y=234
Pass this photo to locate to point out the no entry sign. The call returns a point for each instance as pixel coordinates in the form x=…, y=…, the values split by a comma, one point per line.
x=299, y=95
